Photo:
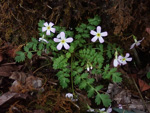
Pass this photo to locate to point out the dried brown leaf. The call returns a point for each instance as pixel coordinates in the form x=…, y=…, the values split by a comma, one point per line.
x=19, y=76
x=6, y=97
x=5, y=71
x=143, y=85
x=16, y=87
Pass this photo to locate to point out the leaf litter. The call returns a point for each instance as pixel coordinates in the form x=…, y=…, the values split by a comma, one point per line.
x=21, y=90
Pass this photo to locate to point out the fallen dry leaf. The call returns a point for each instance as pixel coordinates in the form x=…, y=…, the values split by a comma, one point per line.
x=16, y=87
x=19, y=76
x=24, y=82
x=5, y=71
x=148, y=30
x=143, y=85
x=6, y=97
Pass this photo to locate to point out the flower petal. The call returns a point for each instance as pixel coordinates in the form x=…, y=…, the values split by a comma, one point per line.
x=69, y=95
x=51, y=24
x=59, y=46
x=44, y=40
x=46, y=24
x=98, y=29
x=57, y=40
x=109, y=110
x=66, y=46
x=94, y=39
x=127, y=55
x=138, y=43
x=48, y=32
x=69, y=40
x=101, y=40
x=120, y=57
x=88, y=69
x=132, y=46
x=104, y=33
x=53, y=30
x=115, y=63
x=124, y=63
x=58, y=36
x=93, y=32
x=62, y=35
x=40, y=39
x=44, y=29
x=128, y=59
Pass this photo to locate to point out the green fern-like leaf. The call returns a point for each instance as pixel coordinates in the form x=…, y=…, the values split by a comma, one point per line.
x=29, y=55
x=90, y=81
x=64, y=82
x=95, y=21
x=105, y=99
x=60, y=62
x=91, y=92
x=20, y=56
x=26, y=49
x=97, y=88
x=77, y=79
x=98, y=99
x=41, y=23
x=84, y=75
x=116, y=77
x=83, y=84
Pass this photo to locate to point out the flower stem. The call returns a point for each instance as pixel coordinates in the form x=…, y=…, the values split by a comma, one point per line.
x=137, y=57
x=71, y=75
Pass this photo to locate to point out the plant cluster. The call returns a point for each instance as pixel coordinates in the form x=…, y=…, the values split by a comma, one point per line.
x=77, y=56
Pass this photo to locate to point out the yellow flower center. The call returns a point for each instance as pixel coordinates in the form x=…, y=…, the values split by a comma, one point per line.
x=63, y=41
x=98, y=34
x=48, y=27
x=124, y=59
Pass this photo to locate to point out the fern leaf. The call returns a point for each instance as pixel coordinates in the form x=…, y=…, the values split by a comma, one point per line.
x=105, y=100
x=20, y=56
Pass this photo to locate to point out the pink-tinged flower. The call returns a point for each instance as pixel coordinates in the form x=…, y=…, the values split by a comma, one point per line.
x=123, y=60
x=42, y=39
x=63, y=41
x=98, y=35
x=69, y=95
x=116, y=62
x=103, y=110
x=136, y=43
x=120, y=106
x=48, y=28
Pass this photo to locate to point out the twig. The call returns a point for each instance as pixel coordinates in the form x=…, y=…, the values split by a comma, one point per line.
x=40, y=68
x=140, y=94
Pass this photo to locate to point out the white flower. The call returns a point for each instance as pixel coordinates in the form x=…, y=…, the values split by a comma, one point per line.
x=109, y=110
x=116, y=62
x=98, y=35
x=89, y=66
x=102, y=110
x=120, y=106
x=137, y=43
x=42, y=39
x=90, y=110
x=123, y=60
x=69, y=95
x=63, y=41
x=88, y=69
x=48, y=28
